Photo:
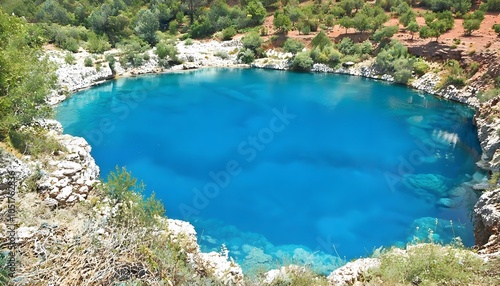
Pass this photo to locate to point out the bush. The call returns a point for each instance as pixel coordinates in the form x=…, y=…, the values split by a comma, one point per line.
x=302, y=61
x=252, y=41
x=164, y=50
x=487, y=95
x=473, y=68
x=70, y=59
x=221, y=54
x=346, y=46
x=98, y=44
x=293, y=46
x=496, y=27
x=385, y=33
x=88, y=62
x=430, y=264
x=134, y=210
x=34, y=142
x=321, y=40
x=173, y=26
x=228, y=33
x=247, y=56
x=420, y=67
x=497, y=81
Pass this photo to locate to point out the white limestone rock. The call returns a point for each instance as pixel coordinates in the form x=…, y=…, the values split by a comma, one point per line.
x=352, y=271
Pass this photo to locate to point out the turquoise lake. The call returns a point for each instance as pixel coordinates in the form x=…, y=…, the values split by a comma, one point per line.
x=286, y=167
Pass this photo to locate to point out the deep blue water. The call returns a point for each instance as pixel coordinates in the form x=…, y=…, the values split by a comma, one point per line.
x=288, y=167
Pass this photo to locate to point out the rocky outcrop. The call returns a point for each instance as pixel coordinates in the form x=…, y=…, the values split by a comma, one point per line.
x=488, y=123
x=12, y=171
x=218, y=265
x=487, y=222
x=70, y=176
x=352, y=271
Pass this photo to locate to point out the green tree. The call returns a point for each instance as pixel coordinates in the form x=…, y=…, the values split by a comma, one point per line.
x=461, y=7
x=437, y=24
x=407, y=17
x=321, y=40
x=26, y=78
x=413, y=27
x=256, y=12
x=293, y=46
x=147, y=25
x=346, y=22
x=282, y=22
x=385, y=33
x=252, y=41
x=472, y=21
x=302, y=61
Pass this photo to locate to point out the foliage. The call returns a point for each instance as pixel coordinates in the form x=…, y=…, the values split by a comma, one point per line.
x=293, y=46
x=321, y=40
x=164, y=50
x=228, y=33
x=134, y=210
x=247, y=56
x=473, y=68
x=420, y=67
x=413, y=27
x=493, y=5
x=282, y=22
x=69, y=58
x=252, y=41
x=88, y=62
x=496, y=28
x=34, y=142
x=302, y=61
x=385, y=33
x=489, y=94
x=430, y=264
x=256, y=11
x=97, y=43
x=4, y=271
x=395, y=59
x=437, y=24
x=472, y=21
x=147, y=25
x=454, y=74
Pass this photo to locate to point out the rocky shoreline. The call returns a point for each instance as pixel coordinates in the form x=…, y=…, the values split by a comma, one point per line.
x=72, y=175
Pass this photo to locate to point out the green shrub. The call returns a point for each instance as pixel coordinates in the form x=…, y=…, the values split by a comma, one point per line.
x=164, y=50
x=497, y=81
x=321, y=40
x=496, y=28
x=188, y=42
x=228, y=33
x=293, y=46
x=473, y=68
x=88, y=62
x=134, y=210
x=98, y=44
x=221, y=54
x=487, y=95
x=173, y=26
x=302, y=61
x=70, y=59
x=247, y=56
x=430, y=264
x=34, y=142
x=252, y=41
x=385, y=33
x=420, y=67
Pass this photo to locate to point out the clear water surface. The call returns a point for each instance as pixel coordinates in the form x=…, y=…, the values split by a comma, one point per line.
x=286, y=167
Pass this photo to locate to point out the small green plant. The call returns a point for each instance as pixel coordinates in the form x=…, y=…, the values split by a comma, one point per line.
x=70, y=59
x=247, y=56
x=429, y=264
x=134, y=210
x=188, y=42
x=88, y=62
x=293, y=46
x=495, y=176
x=473, y=68
x=221, y=54
x=496, y=82
x=489, y=94
x=228, y=33
x=420, y=67
x=4, y=272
